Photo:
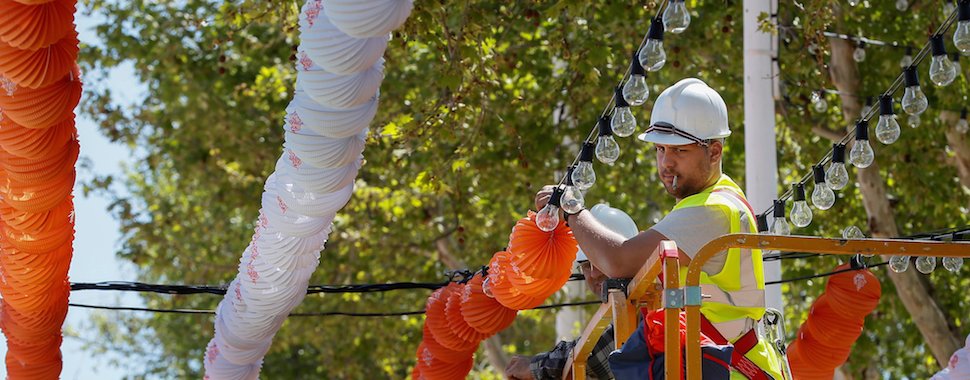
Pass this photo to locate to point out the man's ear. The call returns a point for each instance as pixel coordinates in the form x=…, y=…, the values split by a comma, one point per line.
x=715, y=151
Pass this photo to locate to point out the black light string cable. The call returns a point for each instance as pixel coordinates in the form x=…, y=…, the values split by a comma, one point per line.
x=897, y=83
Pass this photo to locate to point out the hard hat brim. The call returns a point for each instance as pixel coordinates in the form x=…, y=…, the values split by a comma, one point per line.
x=664, y=138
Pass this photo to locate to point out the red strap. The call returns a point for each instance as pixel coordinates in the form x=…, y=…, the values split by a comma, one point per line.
x=738, y=197
x=741, y=347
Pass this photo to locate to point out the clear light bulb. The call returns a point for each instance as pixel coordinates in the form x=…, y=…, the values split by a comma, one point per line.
x=853, y=2
x=907, y=59
x=818, y=102
x=962, y=126
x=948, y=7
x=913, y=121
x=955, y=60
x=836, y=176
x=635, y=90
x=675, y=16
x=901, y=5
x=887, y=129
x=861, y=155
x=942, y=71
x=548, y=218
x=801, y=214
x=607, y=150
x=487, y=288
x=584, y=177
x=914, y=101
x=622, y=122
x=925, y=265
x=952, y=264
x=822, y=196
x=780, y=225
x=572, y=197
x=853, y=232
x=859, y=54
x=868, y=107
x=652, y=56
x=899, y=264
x=961, y=36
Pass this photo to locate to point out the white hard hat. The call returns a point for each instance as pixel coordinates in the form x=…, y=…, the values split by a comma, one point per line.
x=688, y=112
x=614, y=219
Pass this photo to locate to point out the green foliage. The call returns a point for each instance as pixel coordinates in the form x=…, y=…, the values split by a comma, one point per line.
x=481, y=103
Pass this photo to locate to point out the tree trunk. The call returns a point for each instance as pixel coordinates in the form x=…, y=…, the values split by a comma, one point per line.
x=959, y=143
x=915, y=295
x=493, y=345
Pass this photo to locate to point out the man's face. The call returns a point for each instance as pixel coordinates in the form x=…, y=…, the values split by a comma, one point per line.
x=594, y=278
x=693, y=166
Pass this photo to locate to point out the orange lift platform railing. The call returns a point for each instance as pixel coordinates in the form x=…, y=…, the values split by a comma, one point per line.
x=645, y=291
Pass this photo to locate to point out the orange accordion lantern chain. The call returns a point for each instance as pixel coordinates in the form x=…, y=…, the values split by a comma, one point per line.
x=39, y=88
x=462, y=315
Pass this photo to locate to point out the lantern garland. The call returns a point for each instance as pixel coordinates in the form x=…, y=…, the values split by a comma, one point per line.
x=834, y=323
x=462, y=315
x=339, y=71
x=39, y=87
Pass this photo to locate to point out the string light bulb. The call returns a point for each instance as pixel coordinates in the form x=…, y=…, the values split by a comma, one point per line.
x=819, y=104
x=867, y=107
x=899, y=264
x=548, y=218
x=948, y=7
x=953, y=264
x=925, y=265
x=901, y=5
x=607, y=150
x=907, y=59
x=652, y=55
x=914, y=101
x=887, y=129
x=801, y=214
x=572, y=197
x=942, y=71
x=962, y=125
x=623, y=122
x=913, y=121
x=676, y=18
x=822, y=196
x=961, y=36
x=955, y=60
x=635, y=91
x=859, y=54
x=853, y=2
x=861, y=155
x=584, y=177
x=780, y=226
x=836, y=176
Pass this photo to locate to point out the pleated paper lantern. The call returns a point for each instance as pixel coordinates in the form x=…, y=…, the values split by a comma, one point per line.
x=484, y=313
x=536, y=287
x=443, y=353
x=539, y=253
x=26, y=142
x=502, y=288
x=433, y=368
x=333, y=50
x=367, y=18
x=43, y=107
x=41, y=67
x=40, y=169
x=825, y=339
x=437, y=320
x=36, y=222
x=35, y=197
x=456, y=322
x=31, y=27
x=342, y=91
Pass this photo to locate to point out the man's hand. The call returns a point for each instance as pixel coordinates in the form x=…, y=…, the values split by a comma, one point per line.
x=518, y=368
x=542, y=197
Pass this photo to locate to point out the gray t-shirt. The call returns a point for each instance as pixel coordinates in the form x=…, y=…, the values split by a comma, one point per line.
x=693, y=227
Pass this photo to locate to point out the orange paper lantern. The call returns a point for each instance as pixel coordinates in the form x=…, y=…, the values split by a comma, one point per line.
x=31, y=27
x=438, y=322
x=456, y=322
x=43, y=107
x=484, y=313
x=26, y=142
x=501, y=286
x=539, y=253
x=40, y=169
x=443, y=353
x=41, y=67
x=36, y=197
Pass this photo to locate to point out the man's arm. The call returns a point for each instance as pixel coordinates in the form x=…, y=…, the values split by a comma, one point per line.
x=609, y=251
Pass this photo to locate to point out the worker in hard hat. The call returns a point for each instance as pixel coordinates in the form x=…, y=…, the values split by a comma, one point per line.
x=550, y=365
x=688, y=129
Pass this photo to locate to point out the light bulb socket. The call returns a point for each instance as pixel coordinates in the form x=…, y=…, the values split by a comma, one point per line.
x=955, y=57
x=656, y=31
x=819, y=173
x=604, y=127
x=886, y=105
x=569, y=175
x=636, y=68
x=862, y=130
x=556, y=199
x=799, y=190
x=618, y=98
x=937, y=45
x=963, y=10
x=778, y=210
x=861, y=45
x=963, y=113
x=586, y=154
x=909, y=51
x=762, y=222
x=911, y=76
x=838, y=153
